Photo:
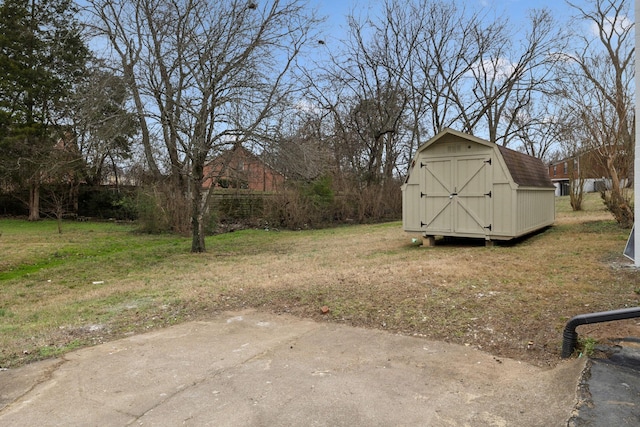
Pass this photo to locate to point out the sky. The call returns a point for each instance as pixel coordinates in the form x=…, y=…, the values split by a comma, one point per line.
x=516, y=10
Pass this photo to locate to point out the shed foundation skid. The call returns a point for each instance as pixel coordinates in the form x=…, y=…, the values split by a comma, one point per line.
x=428, y=241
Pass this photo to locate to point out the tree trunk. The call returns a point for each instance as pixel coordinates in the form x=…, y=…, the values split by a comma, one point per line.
x=197, y=226
x=197, y=210
x=576, y=187
x=616, y=203
x=34, y=201
x=576, y=191
x=59, y=219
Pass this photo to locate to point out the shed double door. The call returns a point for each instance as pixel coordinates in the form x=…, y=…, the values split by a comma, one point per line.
x=456, y=196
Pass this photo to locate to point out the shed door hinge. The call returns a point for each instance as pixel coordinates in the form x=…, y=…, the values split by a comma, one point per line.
x=423, y=194
x=488, y=194
x=488, y=227
x=422, y=224
x=423, y=165
x=488, y=161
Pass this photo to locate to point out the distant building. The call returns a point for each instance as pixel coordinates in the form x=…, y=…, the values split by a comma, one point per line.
x=239, y=168
x=590, y=165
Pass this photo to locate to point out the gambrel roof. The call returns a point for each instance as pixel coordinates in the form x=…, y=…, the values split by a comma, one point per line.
x=525, y=170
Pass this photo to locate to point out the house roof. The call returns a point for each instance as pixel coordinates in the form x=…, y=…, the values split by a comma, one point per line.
x=525, y=170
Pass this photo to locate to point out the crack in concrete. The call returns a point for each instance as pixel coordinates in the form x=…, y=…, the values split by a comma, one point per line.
x=215, y=373
x=45, y=376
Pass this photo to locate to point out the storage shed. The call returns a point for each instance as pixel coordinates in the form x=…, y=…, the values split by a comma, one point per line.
x=463, y=186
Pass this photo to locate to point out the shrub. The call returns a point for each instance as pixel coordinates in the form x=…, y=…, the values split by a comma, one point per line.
x=152, y=218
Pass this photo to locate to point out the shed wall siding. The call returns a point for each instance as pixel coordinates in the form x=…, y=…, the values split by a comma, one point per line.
x=535, y=209
x=411, y=207
x=503, y=203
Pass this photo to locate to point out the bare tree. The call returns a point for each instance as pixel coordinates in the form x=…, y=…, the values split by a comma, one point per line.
x=360, y=93
x=104, y=129
x=599, y=86
x=61, y=179
x=572, y=139
x=474, y=73
x=452, y=67
x=536, y=127
x=201, y=74
x=300, y=152
x=509, y=74
x=363, y=92
x=447, y=48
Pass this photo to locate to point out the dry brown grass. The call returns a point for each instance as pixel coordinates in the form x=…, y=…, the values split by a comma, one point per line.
x=511, y=300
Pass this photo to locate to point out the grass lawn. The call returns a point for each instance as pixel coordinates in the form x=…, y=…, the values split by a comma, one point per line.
x=99, y=281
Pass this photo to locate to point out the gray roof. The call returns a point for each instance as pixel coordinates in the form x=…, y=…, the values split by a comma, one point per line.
x=526, y=170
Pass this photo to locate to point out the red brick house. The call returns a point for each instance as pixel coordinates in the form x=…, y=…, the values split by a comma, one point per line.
x=590, y=165
x=239, y=168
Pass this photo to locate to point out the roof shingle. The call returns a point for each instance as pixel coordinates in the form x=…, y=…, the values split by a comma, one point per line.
x=526, y=170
